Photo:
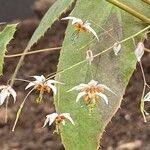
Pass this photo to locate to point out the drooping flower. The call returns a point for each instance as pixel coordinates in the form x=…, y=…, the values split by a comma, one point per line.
x=58, y=118
x=42, y=85
x=91, y=92
x=139, y=51
x=81, y=26
x=6, y=91
x=142, y=106
x=117, y=48
x=89, y=56
x=147, y=99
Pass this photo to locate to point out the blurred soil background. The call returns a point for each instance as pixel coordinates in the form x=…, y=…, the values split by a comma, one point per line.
x=126, y=131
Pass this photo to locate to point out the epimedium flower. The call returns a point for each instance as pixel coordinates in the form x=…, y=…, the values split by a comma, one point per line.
x=145, y=99
x=89, y=56
x=139, y=51
x=42, y=85
x=81, y=26
x=6, y=91
x=116, y=48
x=91, y=92
x=58, y=119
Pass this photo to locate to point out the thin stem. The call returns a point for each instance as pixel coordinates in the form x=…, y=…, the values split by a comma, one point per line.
x=33, y=52
x=83, y=61
x=17, y=79
x=146, y=1
x=142, y=97
x=20, y=109
x=1, y=23
x=147, y=50
x=104, y=30
x=129, y=10
x=147, y=85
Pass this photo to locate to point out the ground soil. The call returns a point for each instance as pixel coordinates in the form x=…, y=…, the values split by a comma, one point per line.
x=126, y=131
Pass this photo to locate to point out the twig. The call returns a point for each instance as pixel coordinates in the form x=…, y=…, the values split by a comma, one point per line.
x=143, y=93
x=33, y=52
x=20, y=109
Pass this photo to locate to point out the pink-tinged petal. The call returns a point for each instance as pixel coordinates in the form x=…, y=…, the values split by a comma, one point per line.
x=3, y=87
x=67, y=116
x=74, y=20
x=68, y=18
x=50, y=118
x=90, y=29
x=78, y=87
x=147, y=97
x=13, y=93
x=107, y=88
x=93, y=83
x=103, y=96
x=3, y=95
x=139, y=51
x=79, y=96
x=30, y=85
x=40, y=78
x=54, y=89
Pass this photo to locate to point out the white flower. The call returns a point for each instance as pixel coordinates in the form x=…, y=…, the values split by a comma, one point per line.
x=58, y=118
x=43, y=85
x=117, y=48
x=89, y=56
x=147, y=97
x=6, y=91
x=139, y=51
x=91, y=90
x=81, y=26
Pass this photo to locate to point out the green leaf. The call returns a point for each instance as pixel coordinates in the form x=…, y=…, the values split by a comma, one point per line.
x=59, y=7
x=5, y=37
x=109, y=69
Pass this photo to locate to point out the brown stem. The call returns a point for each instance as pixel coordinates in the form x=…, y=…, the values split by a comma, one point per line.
x=33, y=52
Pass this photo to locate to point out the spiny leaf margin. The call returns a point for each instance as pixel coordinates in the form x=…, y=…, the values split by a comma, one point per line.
x=5, y=37
x=81, y=136
x=53, y=14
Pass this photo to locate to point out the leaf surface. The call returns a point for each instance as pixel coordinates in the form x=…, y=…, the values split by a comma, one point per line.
x=109, y=69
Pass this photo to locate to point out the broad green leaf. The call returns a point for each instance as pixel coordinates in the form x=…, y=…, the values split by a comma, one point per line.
x=5, y=37
x=53, y=14
x=109, y=69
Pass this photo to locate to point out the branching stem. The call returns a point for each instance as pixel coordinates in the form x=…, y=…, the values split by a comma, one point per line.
x=104, y=51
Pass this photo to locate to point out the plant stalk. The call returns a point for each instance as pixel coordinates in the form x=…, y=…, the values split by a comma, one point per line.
x=130, y=10
x=146, y=1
